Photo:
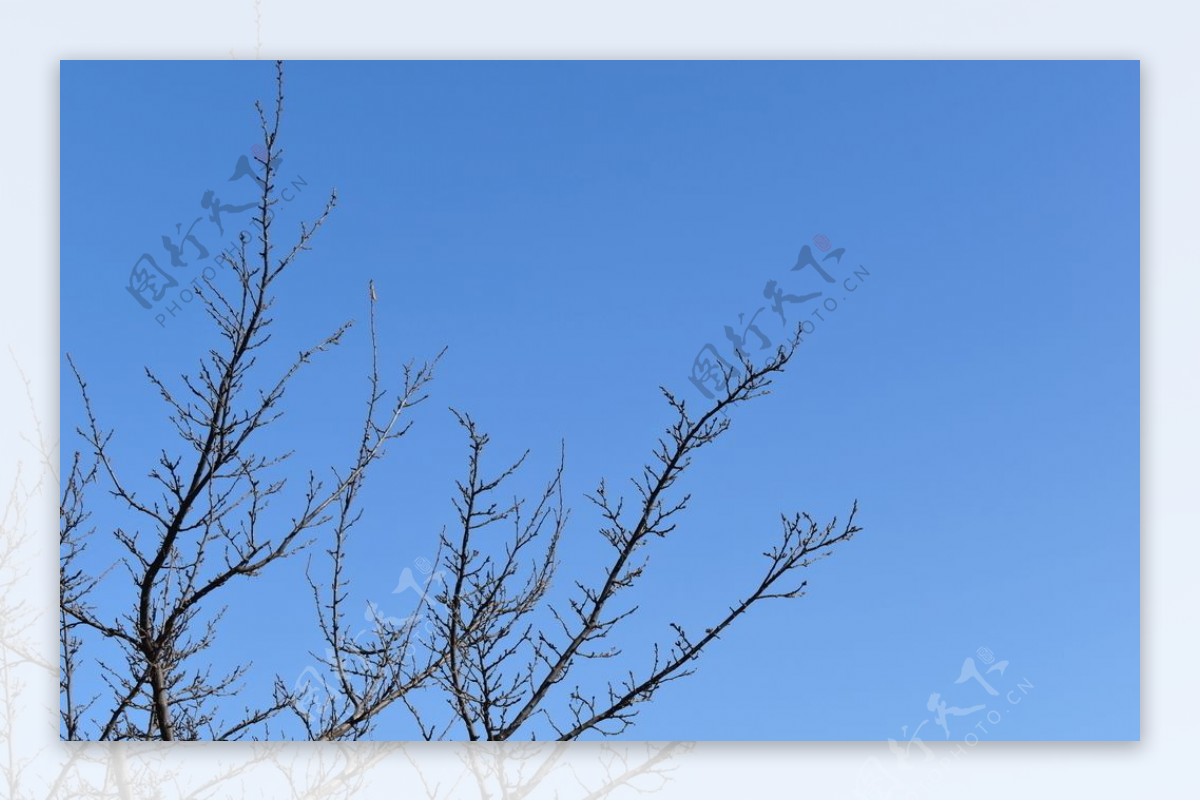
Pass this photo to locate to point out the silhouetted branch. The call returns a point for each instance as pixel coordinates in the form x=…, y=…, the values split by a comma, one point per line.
x=491, y=643
x=208, y=527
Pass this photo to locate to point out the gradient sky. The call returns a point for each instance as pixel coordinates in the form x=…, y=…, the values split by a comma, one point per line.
x=575, y=233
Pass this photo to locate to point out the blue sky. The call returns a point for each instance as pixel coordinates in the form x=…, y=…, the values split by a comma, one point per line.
x=574, y=233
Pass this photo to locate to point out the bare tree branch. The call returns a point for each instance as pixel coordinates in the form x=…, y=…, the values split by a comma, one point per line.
x=207, y=528
x=498, y=653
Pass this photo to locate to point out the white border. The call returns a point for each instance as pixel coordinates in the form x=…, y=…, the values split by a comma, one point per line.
x=1163, y=35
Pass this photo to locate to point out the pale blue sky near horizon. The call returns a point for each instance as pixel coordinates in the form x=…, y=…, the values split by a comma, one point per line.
x=574, y=233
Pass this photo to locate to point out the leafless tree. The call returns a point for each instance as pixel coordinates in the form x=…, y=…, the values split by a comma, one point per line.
x=492, y=655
